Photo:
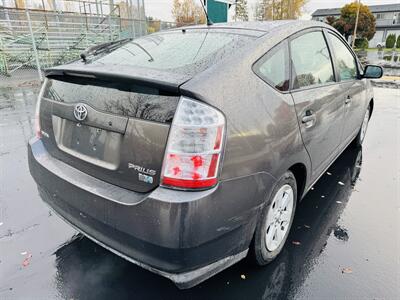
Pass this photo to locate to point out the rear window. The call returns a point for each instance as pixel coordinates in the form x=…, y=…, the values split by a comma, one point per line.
x=138, y=102
x=185, y=52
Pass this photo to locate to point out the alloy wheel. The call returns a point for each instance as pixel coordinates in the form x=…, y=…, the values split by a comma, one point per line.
x=279, y=217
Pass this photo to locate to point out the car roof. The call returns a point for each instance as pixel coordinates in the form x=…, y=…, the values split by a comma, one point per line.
x=257, y=28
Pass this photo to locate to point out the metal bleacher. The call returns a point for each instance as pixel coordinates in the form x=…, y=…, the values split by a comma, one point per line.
x=36, y=39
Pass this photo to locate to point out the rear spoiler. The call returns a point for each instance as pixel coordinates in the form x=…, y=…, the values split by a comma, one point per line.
x=162, y=80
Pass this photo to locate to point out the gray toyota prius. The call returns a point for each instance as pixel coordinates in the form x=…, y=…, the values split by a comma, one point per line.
x=187, y=150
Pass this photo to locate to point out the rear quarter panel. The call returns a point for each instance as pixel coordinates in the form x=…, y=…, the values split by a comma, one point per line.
x=262, y=129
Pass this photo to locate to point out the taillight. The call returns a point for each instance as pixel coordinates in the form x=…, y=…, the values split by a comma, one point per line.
x=37, y=128
x=194, y=146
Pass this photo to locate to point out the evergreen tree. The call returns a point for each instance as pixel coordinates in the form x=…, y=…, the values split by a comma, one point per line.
x=391, y=41
x=241, y=10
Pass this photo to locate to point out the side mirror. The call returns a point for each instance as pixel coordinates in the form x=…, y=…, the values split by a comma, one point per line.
x=373, y=71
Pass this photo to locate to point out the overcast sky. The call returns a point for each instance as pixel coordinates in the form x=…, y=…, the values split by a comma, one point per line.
x=162, y=8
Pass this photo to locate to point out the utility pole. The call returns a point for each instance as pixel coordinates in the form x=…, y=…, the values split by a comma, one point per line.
x=356, y=25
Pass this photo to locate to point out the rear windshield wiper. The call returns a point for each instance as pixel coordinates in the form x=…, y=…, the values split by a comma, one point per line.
x=105, y=47
x=145, y=51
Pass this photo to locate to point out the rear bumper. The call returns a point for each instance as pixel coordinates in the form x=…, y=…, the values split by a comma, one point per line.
x=184, y=236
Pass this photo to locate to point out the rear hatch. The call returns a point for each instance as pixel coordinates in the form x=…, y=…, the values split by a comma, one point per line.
x=110, y=115
x=122, y=135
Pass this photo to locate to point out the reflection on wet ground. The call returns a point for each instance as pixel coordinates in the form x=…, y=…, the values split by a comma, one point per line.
x=315, y=222
x=347, y=227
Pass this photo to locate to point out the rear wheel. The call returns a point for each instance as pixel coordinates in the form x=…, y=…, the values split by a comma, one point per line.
x=363, y=130
x=276, y=220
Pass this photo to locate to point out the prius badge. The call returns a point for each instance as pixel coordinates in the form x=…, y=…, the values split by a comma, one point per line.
x=147, y=177
x=80, y=112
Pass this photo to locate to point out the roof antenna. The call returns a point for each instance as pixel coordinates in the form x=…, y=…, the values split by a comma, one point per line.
x=209, y=22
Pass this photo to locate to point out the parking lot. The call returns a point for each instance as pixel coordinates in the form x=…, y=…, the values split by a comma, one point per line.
x=345, y=241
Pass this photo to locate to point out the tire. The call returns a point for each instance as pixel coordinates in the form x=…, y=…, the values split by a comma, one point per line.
x=266, y=244
x=359, y=139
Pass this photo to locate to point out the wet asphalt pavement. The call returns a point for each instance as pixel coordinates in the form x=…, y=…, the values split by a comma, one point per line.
x=348, y=228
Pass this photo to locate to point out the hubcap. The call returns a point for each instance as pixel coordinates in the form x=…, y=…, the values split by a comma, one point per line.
x=364, y=126
x=278, y=217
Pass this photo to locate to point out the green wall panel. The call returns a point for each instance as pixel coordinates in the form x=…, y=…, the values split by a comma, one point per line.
x=217, y=11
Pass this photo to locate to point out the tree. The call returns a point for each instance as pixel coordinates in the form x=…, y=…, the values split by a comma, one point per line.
x=153, y=24
x=398, y=42
x=346, y=23
x=331, y=20
x=259, y=11
x=279, y=9
x=390, y=41
x=361, y=43
x=263, y=10
x=187, y=12
x=20, y=3
x=241, y=10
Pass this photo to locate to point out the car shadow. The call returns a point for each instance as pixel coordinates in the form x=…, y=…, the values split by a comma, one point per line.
x=86, y=270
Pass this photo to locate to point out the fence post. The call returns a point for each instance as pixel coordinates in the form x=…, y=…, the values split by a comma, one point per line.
x=139, y=17
x=109, y=25
x=132, y=19
x=111, y=8
x=3, y=57
x=145, y=19
x=28, y=17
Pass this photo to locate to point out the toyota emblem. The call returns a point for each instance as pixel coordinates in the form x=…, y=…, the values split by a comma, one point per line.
x=80, y=112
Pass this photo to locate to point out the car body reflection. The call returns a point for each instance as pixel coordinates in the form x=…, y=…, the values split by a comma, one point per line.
x=87, y=270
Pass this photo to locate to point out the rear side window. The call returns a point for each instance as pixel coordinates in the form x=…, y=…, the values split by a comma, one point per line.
x=345, y=61
x=311, y=61
x=274, y=67
x=187, y=52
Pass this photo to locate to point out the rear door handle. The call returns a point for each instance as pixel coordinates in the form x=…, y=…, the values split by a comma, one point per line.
x=348, y=99
x=309, y=119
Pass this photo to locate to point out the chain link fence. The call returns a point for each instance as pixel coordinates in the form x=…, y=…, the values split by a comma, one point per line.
x=32, y=40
